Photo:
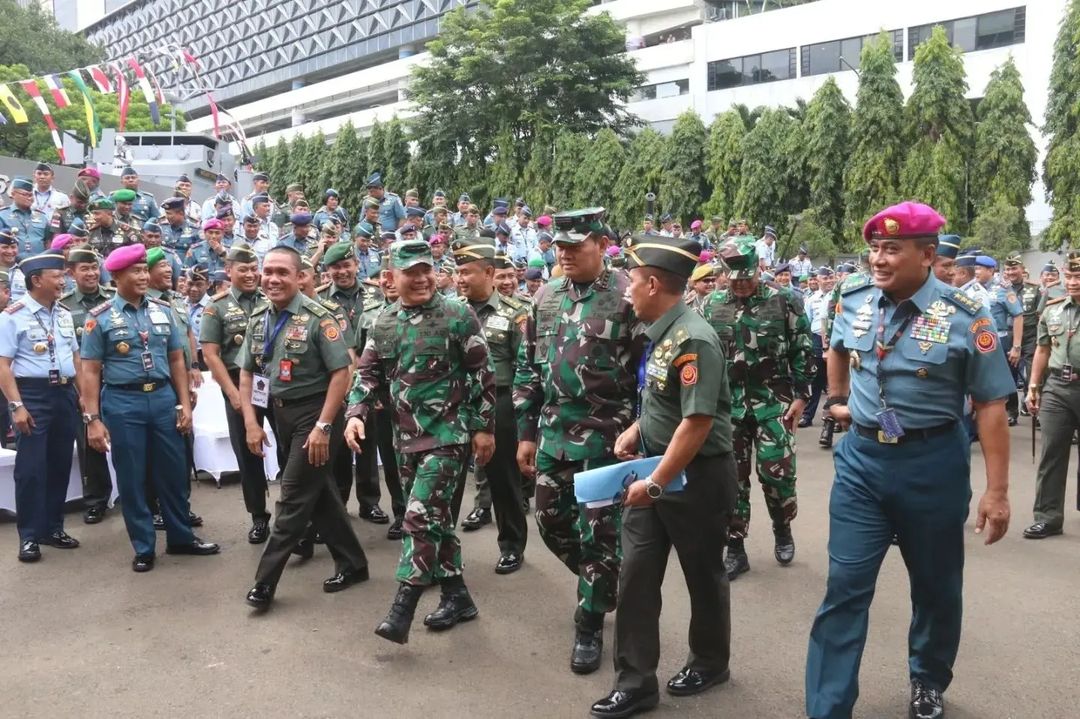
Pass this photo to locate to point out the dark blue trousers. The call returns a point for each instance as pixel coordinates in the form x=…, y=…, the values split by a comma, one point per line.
x=820, y=382
x=142, y=425
x=43, y=459
x=920, y=491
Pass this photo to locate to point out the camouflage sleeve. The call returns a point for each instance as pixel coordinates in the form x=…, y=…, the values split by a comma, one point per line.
x=480, y=373
x=800, y=348
x=528, y=385
x=366, y=382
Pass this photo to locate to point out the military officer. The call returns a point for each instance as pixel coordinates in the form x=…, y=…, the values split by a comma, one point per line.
x=948, y=249
x=30, y=224
x=210, y=252
x=46, y=197
x=331, y=207
x=685, y=418
x=391, y=210
x=300, y=240
x=224, y=327
x=1008, y=314
x=63, y=218
x=136, y=401
x=1054, y=394
x=39, y=360
x=104, y=232
x=702, y=285
x=260, y=184
x=221, y=196
x=177, y=232
x=1052, y=288
x=766, y=339
x=432, y=357
x=581, y=320
x=503, y=320
x=905, y=351
x=1028, y=294
x=964, y=278
x=145, y=205
x=83, y=264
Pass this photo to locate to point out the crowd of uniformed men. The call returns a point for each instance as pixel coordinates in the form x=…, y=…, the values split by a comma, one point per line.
x=529, y=349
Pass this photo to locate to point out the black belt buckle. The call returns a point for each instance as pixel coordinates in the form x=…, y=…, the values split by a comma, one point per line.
x=1066, y=373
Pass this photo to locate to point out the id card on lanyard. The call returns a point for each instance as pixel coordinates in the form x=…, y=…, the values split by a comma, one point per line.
x=891, y=429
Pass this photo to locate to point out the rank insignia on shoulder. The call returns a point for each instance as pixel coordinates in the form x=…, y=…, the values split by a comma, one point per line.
x=12, y=309
x=101, y=308
x=854, y=283
x=963, y=301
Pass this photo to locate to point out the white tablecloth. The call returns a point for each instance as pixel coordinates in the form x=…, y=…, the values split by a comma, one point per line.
x=213, y=453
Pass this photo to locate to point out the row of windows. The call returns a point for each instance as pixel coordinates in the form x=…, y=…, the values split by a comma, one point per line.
x=980, y=32
x=661, y=90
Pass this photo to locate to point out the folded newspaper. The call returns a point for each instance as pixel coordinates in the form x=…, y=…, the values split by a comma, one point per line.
x=605, y=486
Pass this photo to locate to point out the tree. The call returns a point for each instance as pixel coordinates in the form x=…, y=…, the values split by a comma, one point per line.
x=723, y=163
x=828, y=128
x=570, y=149
x=536, y=175
x=279, y=170
x=504, y=178
x=640, y=174
x=995, y=229
x=603, y=161
x=877, y=150
x=396, y=153
x=376, y=155
x=298, y=159
x=1003, y=169
x=434, y=166
x=764, y=197
x=682, y=186
x=31, y=37
x=345, y=169
x=1061, y=171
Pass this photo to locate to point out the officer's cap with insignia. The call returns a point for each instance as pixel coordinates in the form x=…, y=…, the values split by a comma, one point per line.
x=250, y=218
x=466, y=250
x=294, y=187
x=299, y=219
x=306, y=264
x=906, y=221
x=502, y=262
x=82, y=254
x=183, y=178
x=388, y=235
x=102, y=204
x=1050, y=267
x=439, y=193
x=375, y=180
x=499, y=211
x=260, y=177
x=1014, y=260
x=412, y=192
x=225, y=211
x=151, y=226
x=7, y=236
x=123, y=196
x=218, y=276
x=1072, y=262
x=173, y=203
x=464, y=197
x=198, y=272
x=415, y=212
x=21, y=183
x=824, y=272
x=44, y=261
x=677, y=255
x=43, y=167
x=337, y=252
x=364, y=229
x=222, y=178
x=741, y=256
x=240, y=252
x=371, y=203
x=502, y=229
x=81, y=191
x=702, y=271
x=409, y=253
x=129, y=171
x=576, y=226
x=330, y=192
x=78, y=230
x=966, y=260
x=948, y=246
x=222, y=198
x=260, y=200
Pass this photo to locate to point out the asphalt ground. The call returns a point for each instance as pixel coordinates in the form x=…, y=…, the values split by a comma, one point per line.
x=84, y=636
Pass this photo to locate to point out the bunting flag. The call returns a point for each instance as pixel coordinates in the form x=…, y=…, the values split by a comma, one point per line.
x=157, y=87
x=13, y=105
x=31, y=88
x=148, y=92
x=101, y=80
x=123, y=93
x=59, y=94
x=193, y=63
x=92, y=125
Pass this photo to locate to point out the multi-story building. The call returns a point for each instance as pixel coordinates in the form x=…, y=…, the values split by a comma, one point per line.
x=295, y=66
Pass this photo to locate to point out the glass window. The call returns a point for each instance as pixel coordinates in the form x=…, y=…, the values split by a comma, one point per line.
x=824, y=57
x=725, y=73
x=752, y=69
x=962, y=33
x=776, y=66
x=997, y=30
x=979, y=32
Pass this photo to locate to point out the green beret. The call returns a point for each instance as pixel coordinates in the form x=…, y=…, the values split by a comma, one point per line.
x=467, y=250
x=372, y=203
x=408, y=253
x=154, y=255
x=337, y=252
x=241, y=253
x=102, y=203
x=123, y=196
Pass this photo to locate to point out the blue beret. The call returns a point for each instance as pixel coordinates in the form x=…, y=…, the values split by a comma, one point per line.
x=44, y=261
x=21, y=183
x=415, y=211
x=301, y=218
x=129, y=171
x=985, y=261
x=173, y=203
x=151, y=226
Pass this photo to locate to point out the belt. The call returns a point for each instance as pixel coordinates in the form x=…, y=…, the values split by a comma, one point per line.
x=43, y=381
x=279, y=402
x=141, y=386
x=910, y=435
x=1055, y=372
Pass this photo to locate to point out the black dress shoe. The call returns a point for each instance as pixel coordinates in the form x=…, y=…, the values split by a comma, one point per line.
x=198, y=548
x=305, y=549
x=806, y=422
x=508, y=563
x=142, y=562
x=260, y=596
x=344, y=580
x=61, y=540
x=194, y=520
x=588, y=648
x=159, y=523
x=455, y=605
x=1041, y=530
x=736, y=562
x=926, y=703
x=692, y=681
x=784, y=550
x=476, y=519
x=1013, y=421
x=29, y=551
x=395, y=531
x=259, y=532
x=619, y=704
x=93, y=515
x=374, y=514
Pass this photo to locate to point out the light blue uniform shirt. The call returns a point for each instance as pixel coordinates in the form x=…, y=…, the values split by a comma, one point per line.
x=31, y=224
x=201, y=254
x=26, y=325
x=145, y=206
x=179, y=238
x=948, y=349
x=390, y=211
x=114, y=337
x=1005, y=306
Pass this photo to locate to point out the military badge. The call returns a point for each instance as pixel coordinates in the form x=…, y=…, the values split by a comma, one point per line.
x=689, y=375
x=986, y=341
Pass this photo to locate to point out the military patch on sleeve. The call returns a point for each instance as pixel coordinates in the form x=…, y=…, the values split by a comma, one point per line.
x=91, y=323
x=957, y=297
x=330, y=329
x=680, y=361
x=688, y=375
x=980, y=324
x=986, y=341
x=1011, y=297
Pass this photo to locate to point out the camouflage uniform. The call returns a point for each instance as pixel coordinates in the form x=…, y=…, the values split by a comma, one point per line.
x=435, y=363
x=574, y=391
x=766, y=339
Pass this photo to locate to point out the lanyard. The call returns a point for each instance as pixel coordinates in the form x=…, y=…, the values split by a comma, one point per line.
x=50, y=335
x=271, y=336
x=641, y=377
x=883, y=348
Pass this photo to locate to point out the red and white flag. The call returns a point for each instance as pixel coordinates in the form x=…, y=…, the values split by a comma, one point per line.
x=123, y=93
x=56, y=87
x=101, y=80
x=31, y=89
x=148, y=92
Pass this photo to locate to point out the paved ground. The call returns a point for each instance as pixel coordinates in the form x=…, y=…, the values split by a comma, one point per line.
x=84, y=636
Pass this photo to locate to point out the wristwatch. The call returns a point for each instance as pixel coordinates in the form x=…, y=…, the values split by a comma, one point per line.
x=653, y=489
x=12, y=406
x=324, y=427
x=88, y=418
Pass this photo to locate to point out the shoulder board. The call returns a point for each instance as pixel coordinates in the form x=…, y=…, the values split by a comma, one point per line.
x=959, y=298
x=220, y=296
x=1057, y=301
x=163, y=303
x=67, y=295
x=329, y=303
x=372, y=304
x=101, y=308
x=260, y=308
x=323, y=288
x=855, y=283
x=314, y=306
x=516, y=302
x=12, y=309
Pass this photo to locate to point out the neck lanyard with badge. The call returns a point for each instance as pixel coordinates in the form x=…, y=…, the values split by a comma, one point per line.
x=50, y=345
x=260, y=383
x=891, y=429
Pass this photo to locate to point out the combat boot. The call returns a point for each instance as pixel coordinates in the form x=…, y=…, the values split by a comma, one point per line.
x=784, y=551
x=736, y=562
x=455, y=605
x=396, y=625
x=588, y=642
x=828, y=428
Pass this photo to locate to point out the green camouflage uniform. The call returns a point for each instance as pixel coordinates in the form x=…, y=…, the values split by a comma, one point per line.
x=574, y=390
x=435, y=363
x=766, y=339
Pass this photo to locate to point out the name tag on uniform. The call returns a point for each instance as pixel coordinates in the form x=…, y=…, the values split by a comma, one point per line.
x=498, y=322
x=157, y=316
x=260, y=391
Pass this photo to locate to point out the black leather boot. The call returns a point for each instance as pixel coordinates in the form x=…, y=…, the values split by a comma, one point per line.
x=736, y=562
x=399, y=619
x=784, y=551
x=588, y=643
x=455, y=605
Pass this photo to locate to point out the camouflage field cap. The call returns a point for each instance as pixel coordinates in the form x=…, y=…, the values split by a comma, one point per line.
x=575, y=226
x=409, y=253
x=741, y=257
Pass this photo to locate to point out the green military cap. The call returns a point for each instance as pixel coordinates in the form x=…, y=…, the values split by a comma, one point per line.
x=372, y=203
x=1014, y=260
x=412, y=192
x=241, y=253
x=294, y=187
x=467, y=250
x=198, y=272
x=5, y=278
x=102, y=203
x=1072, y=262
x=502, y=262
x=82, y=253
x=576, y=225
x=408, y=253
x=337, y=252
x=81, y=191
x=123, y=196
x=306, y=263
x=154, y=255
x=741, y=257
x=678, y=255
x=703, y=271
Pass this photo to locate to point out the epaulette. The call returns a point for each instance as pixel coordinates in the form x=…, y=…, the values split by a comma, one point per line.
x=1057, y=301
x=854, y=283
x=516, y=302
x=67, y=295
x=373, y=303
x=100, y=308
x=163, y=303
x=959, y=298
x=12, y=309
x=260, y=308
x=314, y=306
x=329, y=303
x=323, y=288
x=220, y=296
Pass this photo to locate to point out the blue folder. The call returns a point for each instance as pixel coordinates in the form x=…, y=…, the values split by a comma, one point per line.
x=605, y=486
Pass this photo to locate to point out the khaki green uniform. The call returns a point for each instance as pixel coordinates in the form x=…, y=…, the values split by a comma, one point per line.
x=312, y=344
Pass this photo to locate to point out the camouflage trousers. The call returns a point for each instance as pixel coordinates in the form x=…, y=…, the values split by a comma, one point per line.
x=430, y=549
x=773, y=448
x=585, y=540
